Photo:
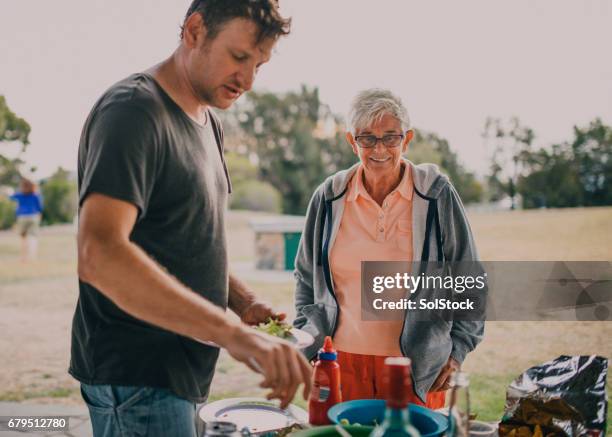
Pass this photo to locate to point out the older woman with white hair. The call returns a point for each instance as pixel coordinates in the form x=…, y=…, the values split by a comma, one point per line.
x=384, y=208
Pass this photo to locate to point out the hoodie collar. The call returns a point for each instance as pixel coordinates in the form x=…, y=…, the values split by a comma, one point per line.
x=426, y=179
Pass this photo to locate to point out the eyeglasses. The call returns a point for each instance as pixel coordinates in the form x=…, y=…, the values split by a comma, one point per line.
x=370, y=141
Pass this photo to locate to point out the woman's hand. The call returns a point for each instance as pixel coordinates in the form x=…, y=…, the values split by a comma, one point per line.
x=442, y=382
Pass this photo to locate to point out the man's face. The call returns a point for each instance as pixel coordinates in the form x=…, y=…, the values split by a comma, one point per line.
x=223, y=68
x=380, y=159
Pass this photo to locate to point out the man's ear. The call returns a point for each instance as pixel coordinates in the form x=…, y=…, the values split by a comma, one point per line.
x=194, y=31
x=351, y=140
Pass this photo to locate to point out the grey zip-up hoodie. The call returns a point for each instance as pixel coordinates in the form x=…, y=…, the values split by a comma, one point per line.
x=440, y=232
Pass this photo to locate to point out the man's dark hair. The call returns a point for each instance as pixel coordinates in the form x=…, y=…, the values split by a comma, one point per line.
x=264, y=13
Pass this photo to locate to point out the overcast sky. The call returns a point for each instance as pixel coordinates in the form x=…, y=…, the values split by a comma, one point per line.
x=452, y=62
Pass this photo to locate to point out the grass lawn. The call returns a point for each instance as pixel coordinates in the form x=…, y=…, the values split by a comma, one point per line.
x=37, y=303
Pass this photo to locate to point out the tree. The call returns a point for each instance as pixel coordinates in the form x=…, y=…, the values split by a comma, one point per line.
x=12, y=129
x=551, y=179
x=592, y=151
x=508, y=139
x=9, y=171
x=420, y=151
x=295, y=140
x=248, y=192
x=256, y=196
x=7, y=212
x=572, y=173
x=429, y=147
x=241, y=170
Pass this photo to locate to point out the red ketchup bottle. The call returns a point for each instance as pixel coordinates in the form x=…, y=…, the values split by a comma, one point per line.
x=326, y=385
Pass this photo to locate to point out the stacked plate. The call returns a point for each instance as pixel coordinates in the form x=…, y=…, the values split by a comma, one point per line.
x=258, y=415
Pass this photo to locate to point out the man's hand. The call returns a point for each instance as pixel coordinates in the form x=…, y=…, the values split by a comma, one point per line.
x=283, y=367
x=259, y=312
x=442, y=382
x=245, y=304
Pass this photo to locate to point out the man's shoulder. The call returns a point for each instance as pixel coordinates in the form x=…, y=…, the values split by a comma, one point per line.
x=137, y=92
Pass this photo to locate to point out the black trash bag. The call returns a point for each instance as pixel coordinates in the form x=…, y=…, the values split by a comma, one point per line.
x=563, y=397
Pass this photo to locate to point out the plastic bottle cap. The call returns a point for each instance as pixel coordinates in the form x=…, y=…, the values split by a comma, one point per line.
x=327, y=352
x=327, y=345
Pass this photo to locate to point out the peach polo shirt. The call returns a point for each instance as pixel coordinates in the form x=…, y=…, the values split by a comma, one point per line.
x=369, y=232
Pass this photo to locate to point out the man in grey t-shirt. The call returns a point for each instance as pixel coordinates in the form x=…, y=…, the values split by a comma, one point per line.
x=153, y=273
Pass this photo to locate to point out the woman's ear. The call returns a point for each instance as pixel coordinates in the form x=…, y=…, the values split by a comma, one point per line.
x=409, y=136
x=351, y=140
x=407, y=139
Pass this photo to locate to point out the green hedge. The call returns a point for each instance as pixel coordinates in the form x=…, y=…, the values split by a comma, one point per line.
x=7, y=212
x=256, y=196
x=60, y=201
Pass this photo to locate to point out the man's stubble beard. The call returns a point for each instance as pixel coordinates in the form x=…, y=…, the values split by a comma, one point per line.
x=205, y=95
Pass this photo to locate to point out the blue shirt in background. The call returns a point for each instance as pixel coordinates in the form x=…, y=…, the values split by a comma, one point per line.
x=27, y=204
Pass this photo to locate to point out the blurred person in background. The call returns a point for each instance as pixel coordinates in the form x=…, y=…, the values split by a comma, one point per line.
x=29, y=210
x=384, y=208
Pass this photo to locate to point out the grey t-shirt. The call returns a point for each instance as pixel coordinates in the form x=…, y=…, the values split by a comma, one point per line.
x=139, y=146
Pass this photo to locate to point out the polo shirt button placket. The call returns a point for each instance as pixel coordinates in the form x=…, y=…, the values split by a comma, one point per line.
x=381, y=233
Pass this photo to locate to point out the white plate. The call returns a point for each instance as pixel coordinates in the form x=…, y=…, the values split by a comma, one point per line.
x=257, y=414
x=299, y=338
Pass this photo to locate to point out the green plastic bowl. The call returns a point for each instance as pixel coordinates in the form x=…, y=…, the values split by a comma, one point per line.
x=331, y=431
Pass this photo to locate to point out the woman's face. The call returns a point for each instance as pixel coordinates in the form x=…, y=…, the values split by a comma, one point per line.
x=380, y=159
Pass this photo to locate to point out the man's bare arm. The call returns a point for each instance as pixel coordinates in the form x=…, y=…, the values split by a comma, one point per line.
x=240, y=297
x=124, y=273
x=245, y=303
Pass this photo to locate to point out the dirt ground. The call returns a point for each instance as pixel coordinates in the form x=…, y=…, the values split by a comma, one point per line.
x=37, y=302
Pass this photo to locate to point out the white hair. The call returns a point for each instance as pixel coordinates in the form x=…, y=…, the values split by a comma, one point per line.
x=370, y=106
